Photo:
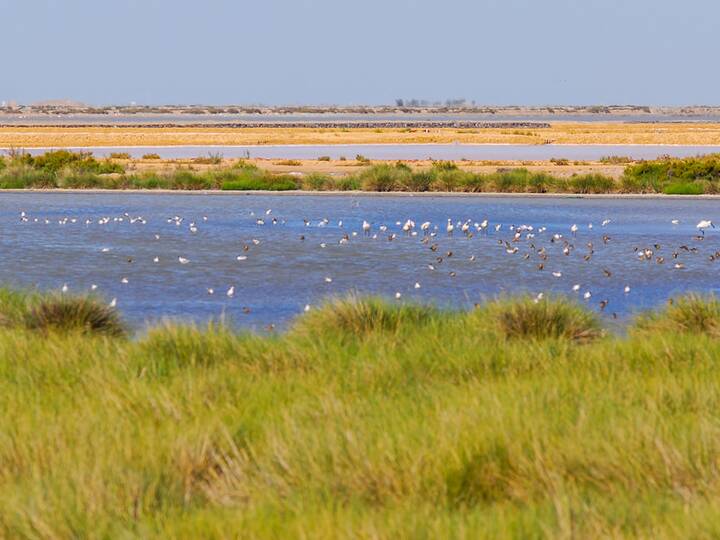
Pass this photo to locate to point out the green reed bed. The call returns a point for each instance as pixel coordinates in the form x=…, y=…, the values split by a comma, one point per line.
x=367, y=418
x=64, y=169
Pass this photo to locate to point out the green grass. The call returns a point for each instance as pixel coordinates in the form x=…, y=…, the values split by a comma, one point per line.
x=684, y=188
x=367, y=419
x=64, y=169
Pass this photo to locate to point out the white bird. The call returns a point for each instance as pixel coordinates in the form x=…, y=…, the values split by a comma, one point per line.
x=105, y=250
x=93, y=287
x=397, y=295
x=450, y=227
x=417, y=285
x=156, y=259
x=574, y=229
x=557, y=274
x=231, y=291
x=674, y=221
x=124, y=280
x=704, y=224
x=241, y=257
x=328, y=280
x=183, y=260
x=605, y=222
x=576, y=288
x=306, y=308
x=211, y=291
x=64, y=288
x=113, y=303
x=587, y=295
x=626, y=289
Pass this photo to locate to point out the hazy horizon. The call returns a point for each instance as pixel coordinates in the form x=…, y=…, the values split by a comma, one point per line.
x=323, y=52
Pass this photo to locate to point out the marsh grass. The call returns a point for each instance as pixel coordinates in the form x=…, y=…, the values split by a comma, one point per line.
x=59, y=313
x=361, y=316
x=530, y=318
x=64, y=169
x=692, y=313
x=74, y=313
x=367, y=419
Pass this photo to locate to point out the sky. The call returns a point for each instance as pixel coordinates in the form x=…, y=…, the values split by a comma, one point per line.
x=292, y=52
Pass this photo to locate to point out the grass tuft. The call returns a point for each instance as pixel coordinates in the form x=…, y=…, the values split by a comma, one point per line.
x=528, y=318
x=692, y=313
x=355, y=316
x=74, y=313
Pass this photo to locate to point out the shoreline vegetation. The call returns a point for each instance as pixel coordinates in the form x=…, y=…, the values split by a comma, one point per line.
x=63, y=169
x=518, y=418
x=567, y=133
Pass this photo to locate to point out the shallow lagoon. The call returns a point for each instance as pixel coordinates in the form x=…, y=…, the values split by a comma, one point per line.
x=282, y=273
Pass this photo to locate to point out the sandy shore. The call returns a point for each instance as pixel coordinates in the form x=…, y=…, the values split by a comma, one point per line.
x=343, y=168
x=559, y=133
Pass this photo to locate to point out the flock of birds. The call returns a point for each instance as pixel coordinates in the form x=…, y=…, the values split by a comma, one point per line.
x=532, y=243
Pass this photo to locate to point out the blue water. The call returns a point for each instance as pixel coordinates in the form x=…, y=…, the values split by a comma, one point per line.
x=408, y=151
x=283, y=273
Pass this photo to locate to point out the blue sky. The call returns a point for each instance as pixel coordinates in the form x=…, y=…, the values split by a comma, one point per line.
x=361, y=52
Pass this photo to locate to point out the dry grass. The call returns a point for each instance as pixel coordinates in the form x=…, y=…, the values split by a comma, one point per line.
x=559, y=133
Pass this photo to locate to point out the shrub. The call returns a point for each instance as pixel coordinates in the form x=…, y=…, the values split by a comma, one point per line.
x=324, y=158
x=53, y=161
x=348, y=183
x=289, y=163
x=444, y=166
x=317, y=182
x=616, y=160
x=69, y=313
x=151, y=155
x=24, y=177
x=591, y=183
x=210, y=159
x=360, y=158
x=384, y=178
x=119, y=155
x=419, y=181
x=280, y=183
x=560, y=161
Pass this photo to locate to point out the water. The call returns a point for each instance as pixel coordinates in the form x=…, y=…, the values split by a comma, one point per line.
x=284, y=273
x=409, y=151
x=38, y=119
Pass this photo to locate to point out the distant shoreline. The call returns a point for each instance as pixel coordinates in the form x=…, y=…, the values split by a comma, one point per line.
x=364, y=194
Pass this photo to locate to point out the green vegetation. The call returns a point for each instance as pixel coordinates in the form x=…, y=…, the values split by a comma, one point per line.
x=366, y=419
x=689, y=175
x=58, y=313
x=210, y=159
x=616, y=160
x=289, y=163
x=119, y=155
x=64, y=169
